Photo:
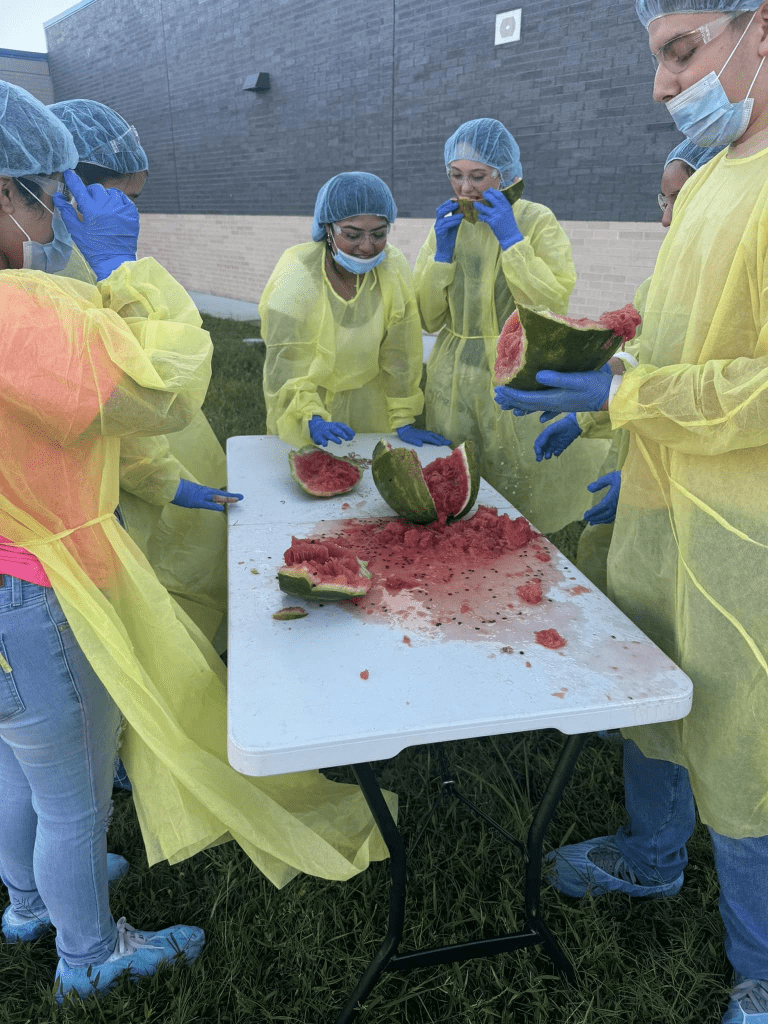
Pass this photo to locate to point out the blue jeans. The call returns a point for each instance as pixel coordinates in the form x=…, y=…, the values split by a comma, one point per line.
x=662, y=816
x=58, y=740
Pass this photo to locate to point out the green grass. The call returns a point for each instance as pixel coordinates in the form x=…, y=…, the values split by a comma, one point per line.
x=292, y=956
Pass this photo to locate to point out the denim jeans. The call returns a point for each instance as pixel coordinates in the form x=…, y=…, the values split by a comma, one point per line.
x=662, y=816
x=58, y=739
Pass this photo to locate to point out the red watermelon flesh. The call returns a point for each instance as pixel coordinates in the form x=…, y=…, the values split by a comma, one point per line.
x=322, y=474
x=448, y=483
x=323, y=571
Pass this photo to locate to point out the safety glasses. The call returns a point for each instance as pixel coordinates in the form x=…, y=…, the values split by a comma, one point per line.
x=49, y=185
x=677, y=53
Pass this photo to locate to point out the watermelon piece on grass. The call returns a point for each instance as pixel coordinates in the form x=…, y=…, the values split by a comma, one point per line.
x=533, y=340
x=321, y=474
x=323, y=570
x=444, y=490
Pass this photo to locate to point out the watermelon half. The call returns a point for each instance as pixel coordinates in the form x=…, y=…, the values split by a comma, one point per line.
x=446, y=489
x=533, y=340
x=468, y=208
x=322, y=570
x=321, y=474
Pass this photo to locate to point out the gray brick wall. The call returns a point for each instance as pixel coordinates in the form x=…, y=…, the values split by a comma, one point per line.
x=374, y=86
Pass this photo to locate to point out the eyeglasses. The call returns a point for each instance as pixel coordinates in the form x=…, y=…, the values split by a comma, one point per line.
x=49, y=185
x=473, y=178
x=352, y=234
x=677, y=53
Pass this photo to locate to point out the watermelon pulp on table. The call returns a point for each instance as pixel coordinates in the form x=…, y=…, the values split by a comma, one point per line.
x=533, y=340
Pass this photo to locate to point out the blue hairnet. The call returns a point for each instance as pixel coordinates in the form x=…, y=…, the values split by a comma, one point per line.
x=32, y=140
x=693, y=155
x=351, y=194
x=102, y=137
x=487, y=142
x=648, y=10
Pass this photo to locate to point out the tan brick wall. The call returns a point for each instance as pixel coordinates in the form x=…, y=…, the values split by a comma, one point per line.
x=234, y=256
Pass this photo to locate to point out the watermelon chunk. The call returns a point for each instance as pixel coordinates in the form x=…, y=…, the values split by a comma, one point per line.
x=468, y=208
x=323, y=571
x=533, y=340
x=444, y=490
x=321, y=474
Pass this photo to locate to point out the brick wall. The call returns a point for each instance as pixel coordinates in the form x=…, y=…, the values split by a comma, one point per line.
x=234, y=256
x=373, y=86
x=29, y=70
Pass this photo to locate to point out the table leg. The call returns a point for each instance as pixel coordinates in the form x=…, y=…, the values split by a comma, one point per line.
x=397, y=868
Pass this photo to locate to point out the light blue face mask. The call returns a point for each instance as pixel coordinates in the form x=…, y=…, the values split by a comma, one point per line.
x=354, y=264
x=706, y=116
x=50, y=257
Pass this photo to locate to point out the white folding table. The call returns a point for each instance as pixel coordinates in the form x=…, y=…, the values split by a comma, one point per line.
x=351, y=684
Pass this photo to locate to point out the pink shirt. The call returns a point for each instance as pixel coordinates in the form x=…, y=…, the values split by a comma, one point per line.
x=18, y=562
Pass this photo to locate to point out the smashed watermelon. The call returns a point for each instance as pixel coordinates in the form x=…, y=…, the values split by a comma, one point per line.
x=533, y=340
x=468, y=208
x=322, y=570
x=321, y=474
x=444, y=490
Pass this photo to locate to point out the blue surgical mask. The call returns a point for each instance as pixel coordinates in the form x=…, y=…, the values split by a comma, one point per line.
x=50, y=257
x=354, y=264
x=704, y=113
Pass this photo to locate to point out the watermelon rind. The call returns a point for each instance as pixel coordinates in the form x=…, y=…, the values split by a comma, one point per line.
x=551, y=343
x=467, y=206
x=397, y=474
x=299, y=582
x=294, y=461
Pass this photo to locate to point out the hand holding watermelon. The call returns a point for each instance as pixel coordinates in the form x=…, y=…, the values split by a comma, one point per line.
x=447, y=223
x=566, y=392
x=500, y=218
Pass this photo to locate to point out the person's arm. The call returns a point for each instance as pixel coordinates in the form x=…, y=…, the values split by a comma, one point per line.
x=539, y=269
x=401, y=355
x=716, y=407
x=431, y=281
x=149, y=470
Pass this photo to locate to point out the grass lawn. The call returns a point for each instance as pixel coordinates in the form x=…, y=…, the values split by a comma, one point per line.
x=292, y=956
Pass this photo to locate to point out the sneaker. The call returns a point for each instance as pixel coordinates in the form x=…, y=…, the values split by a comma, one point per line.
x=749, y=1002
x=18, y=926
x=139, y=953
x=596, y=866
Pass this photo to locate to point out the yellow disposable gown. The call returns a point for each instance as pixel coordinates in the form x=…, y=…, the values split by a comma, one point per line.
x=187, y=548
x=595, y=541
x=689, y=557
x=466, y=303
x=82, y=367
x=357, y=361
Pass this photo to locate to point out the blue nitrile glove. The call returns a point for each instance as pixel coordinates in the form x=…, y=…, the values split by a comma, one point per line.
x=322, y=431
x=605, y=510
x=412, y=435
x=191, y=495
x=566, y=392
x=445, y=230
x=109, y=231
x=500, y=218
x=554, y=439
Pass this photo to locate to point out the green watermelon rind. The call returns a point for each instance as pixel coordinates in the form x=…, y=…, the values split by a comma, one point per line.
x=558, y=345
x=298, y=582
x=467, y=206
x=308, y=450
x=397, y=474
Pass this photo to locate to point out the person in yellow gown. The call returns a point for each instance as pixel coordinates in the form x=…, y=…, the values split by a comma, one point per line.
x=468, y=277
x=340, y=324
x=689, y=557
x=92, y=646
x=168, y=484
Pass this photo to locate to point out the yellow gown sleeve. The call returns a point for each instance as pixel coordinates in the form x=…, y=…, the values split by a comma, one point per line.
x=432, y=281
x=149, y=470
x=716, y=407
x=539, y=270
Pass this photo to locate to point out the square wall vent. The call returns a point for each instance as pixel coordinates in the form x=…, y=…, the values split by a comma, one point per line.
x=508, y=27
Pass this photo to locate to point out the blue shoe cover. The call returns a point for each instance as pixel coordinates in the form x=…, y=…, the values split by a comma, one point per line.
x=18, y=927
x=571, y=870
x=136, y=952
x=748, y=1003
